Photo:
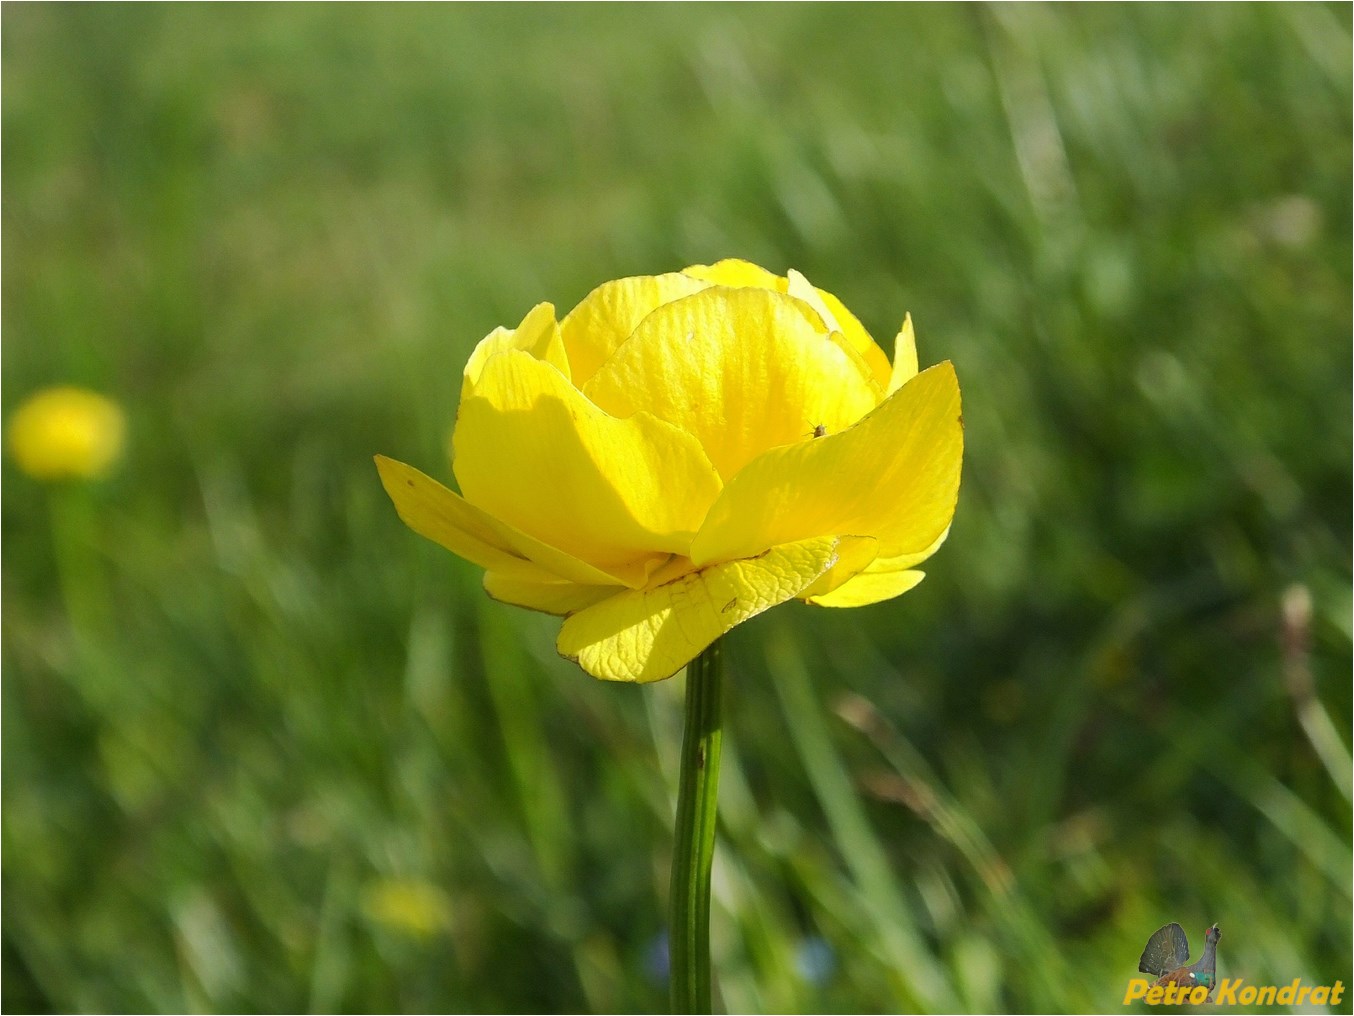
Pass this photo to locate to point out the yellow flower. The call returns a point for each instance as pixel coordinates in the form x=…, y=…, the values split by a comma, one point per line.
x=415, y=908
x=65, y=432
x=682, y=452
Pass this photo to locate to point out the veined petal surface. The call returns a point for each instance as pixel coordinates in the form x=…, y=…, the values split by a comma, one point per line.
x=532, y=451
x=893, y=476
x=443, y=516
x=593, y=330
x=741, y=370
x=649, y=634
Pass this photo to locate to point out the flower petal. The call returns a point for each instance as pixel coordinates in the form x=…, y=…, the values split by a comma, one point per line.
x=904, y=356
x=547, y=597
x=854, y=557
x=605, y=318
x=649, y=634
x=742, y=370
x=868, y=587
x=894, y=476
x=880, y=579
x=840, y=320
x=733, y=272
x=900, y=562
x=532, y=451
x=736, y=272
x=538, y=334
x=446, y=518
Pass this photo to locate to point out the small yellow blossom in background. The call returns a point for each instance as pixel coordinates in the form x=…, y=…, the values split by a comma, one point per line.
x=66, y=433
x=682, y=452
x=408, y=906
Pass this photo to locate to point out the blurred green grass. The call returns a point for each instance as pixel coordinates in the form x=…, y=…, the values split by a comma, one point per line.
x=266, y=750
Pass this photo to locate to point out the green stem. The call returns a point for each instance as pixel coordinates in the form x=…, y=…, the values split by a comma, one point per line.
x=689, y=903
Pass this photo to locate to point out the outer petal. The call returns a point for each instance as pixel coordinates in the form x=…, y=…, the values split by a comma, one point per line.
x=841, y=320
x=538, y=334
x=881, y=579
x=894, y=476
x=736, y=272
x=900, y=562
x=606, y=317
x=446, y=518
x=650, y=634
x=742, y=370
x=904, y=356
x=547, y=597
x=532, y=451
x=854, y=558
x=733, y=272
x=868, y=587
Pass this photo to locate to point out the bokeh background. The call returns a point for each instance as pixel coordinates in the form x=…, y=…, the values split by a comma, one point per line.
x=264, y=749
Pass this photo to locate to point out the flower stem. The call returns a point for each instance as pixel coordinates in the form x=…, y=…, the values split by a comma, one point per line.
x=693, y=851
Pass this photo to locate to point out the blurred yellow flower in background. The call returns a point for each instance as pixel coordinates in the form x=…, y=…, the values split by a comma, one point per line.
x=409, y=906
x=66, y=433
x=682, y=452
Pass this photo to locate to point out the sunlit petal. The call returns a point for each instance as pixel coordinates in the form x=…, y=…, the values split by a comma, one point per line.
x=650, y=634
x=868, y=587
x=894, y=476
x=904, y=356
x=446, y=518
x=742, y=370
x=855, y=556
x=605, y=318
x=538, y=334
x=736, y=272
x=840, y=320
x=547, y=597
x=532, y=451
